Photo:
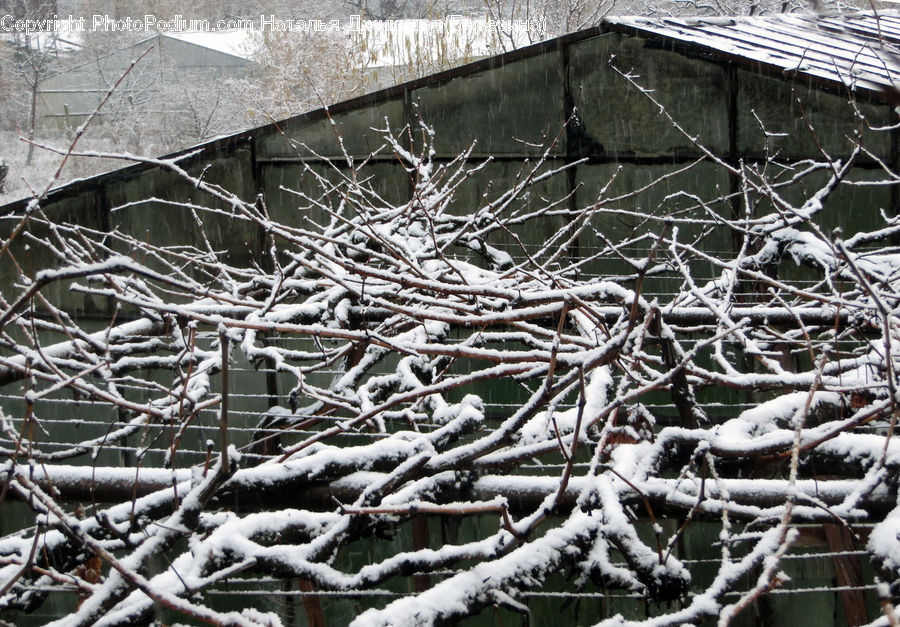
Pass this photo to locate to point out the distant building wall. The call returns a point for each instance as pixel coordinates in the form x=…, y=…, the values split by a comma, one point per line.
x=157, y=87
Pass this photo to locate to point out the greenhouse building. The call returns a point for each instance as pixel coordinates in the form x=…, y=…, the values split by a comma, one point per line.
x=602, y=330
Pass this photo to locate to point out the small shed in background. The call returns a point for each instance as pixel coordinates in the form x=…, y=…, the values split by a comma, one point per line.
x=179, y=66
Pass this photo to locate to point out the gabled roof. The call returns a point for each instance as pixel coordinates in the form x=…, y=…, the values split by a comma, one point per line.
x=859, y=50
x=236, y=43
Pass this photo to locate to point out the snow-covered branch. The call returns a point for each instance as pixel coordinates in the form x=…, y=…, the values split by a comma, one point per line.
x=431, y=362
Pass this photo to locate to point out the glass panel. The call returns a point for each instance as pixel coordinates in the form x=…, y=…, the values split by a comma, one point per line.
x=137, y=208
x=36, y=249
x=615, y=112
x=770, y=118
x=487, y=186
x=508, y=110
x=281, y=182
x=296, y=137
x=693, y=195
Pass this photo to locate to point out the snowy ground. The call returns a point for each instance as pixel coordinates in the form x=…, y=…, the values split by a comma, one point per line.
x=22, y=180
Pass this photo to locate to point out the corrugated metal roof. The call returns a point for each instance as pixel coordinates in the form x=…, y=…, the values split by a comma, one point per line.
x=859, y=50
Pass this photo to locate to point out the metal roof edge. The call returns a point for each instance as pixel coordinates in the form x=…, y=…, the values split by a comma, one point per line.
x=629, y=26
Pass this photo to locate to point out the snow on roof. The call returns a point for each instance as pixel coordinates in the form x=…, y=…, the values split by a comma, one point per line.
x=860, y=50
x=237, y=43
x=63, y=39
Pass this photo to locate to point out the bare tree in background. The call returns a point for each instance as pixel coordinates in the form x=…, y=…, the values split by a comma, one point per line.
x=300, y=72
x=545, y=19
x=28, y=61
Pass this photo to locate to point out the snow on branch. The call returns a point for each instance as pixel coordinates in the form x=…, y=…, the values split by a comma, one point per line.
x=431, y=360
